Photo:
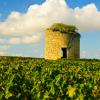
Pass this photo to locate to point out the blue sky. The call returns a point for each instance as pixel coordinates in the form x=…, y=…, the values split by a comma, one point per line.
x=13, y=12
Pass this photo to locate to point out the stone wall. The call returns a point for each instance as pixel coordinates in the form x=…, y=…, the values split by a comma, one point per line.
x=74, y=51
x=54, y=41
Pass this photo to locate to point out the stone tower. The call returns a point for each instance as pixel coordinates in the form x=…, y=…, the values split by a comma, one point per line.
x=62, y=41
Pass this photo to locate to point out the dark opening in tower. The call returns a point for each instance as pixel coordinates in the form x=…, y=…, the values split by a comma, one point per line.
x=64, y=53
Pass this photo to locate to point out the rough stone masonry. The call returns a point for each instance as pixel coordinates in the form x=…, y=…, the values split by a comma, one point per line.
x=61, y=45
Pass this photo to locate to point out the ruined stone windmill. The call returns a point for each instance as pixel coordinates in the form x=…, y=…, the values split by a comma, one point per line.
x=62, y=41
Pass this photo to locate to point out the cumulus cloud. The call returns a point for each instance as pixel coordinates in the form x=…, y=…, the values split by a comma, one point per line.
x=35, y=19
x=20, y=40
x=24, y=40
x=87, y=18
x=27, y=28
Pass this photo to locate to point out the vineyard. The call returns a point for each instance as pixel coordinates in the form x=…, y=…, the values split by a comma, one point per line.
x=39, y=79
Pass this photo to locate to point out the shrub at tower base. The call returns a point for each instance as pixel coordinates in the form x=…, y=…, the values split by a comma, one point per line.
x=39, y=79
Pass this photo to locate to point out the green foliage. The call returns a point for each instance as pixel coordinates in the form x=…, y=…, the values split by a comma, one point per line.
x=39, y=79
x=63, y=28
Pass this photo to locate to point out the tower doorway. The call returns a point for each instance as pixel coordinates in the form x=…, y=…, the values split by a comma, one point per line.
x=64, y=52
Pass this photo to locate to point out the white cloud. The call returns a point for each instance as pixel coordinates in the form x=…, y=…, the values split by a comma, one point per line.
x=15, y=40
x=38, y=17
x=24, y=40
x=27, y=39
x=87, y=18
